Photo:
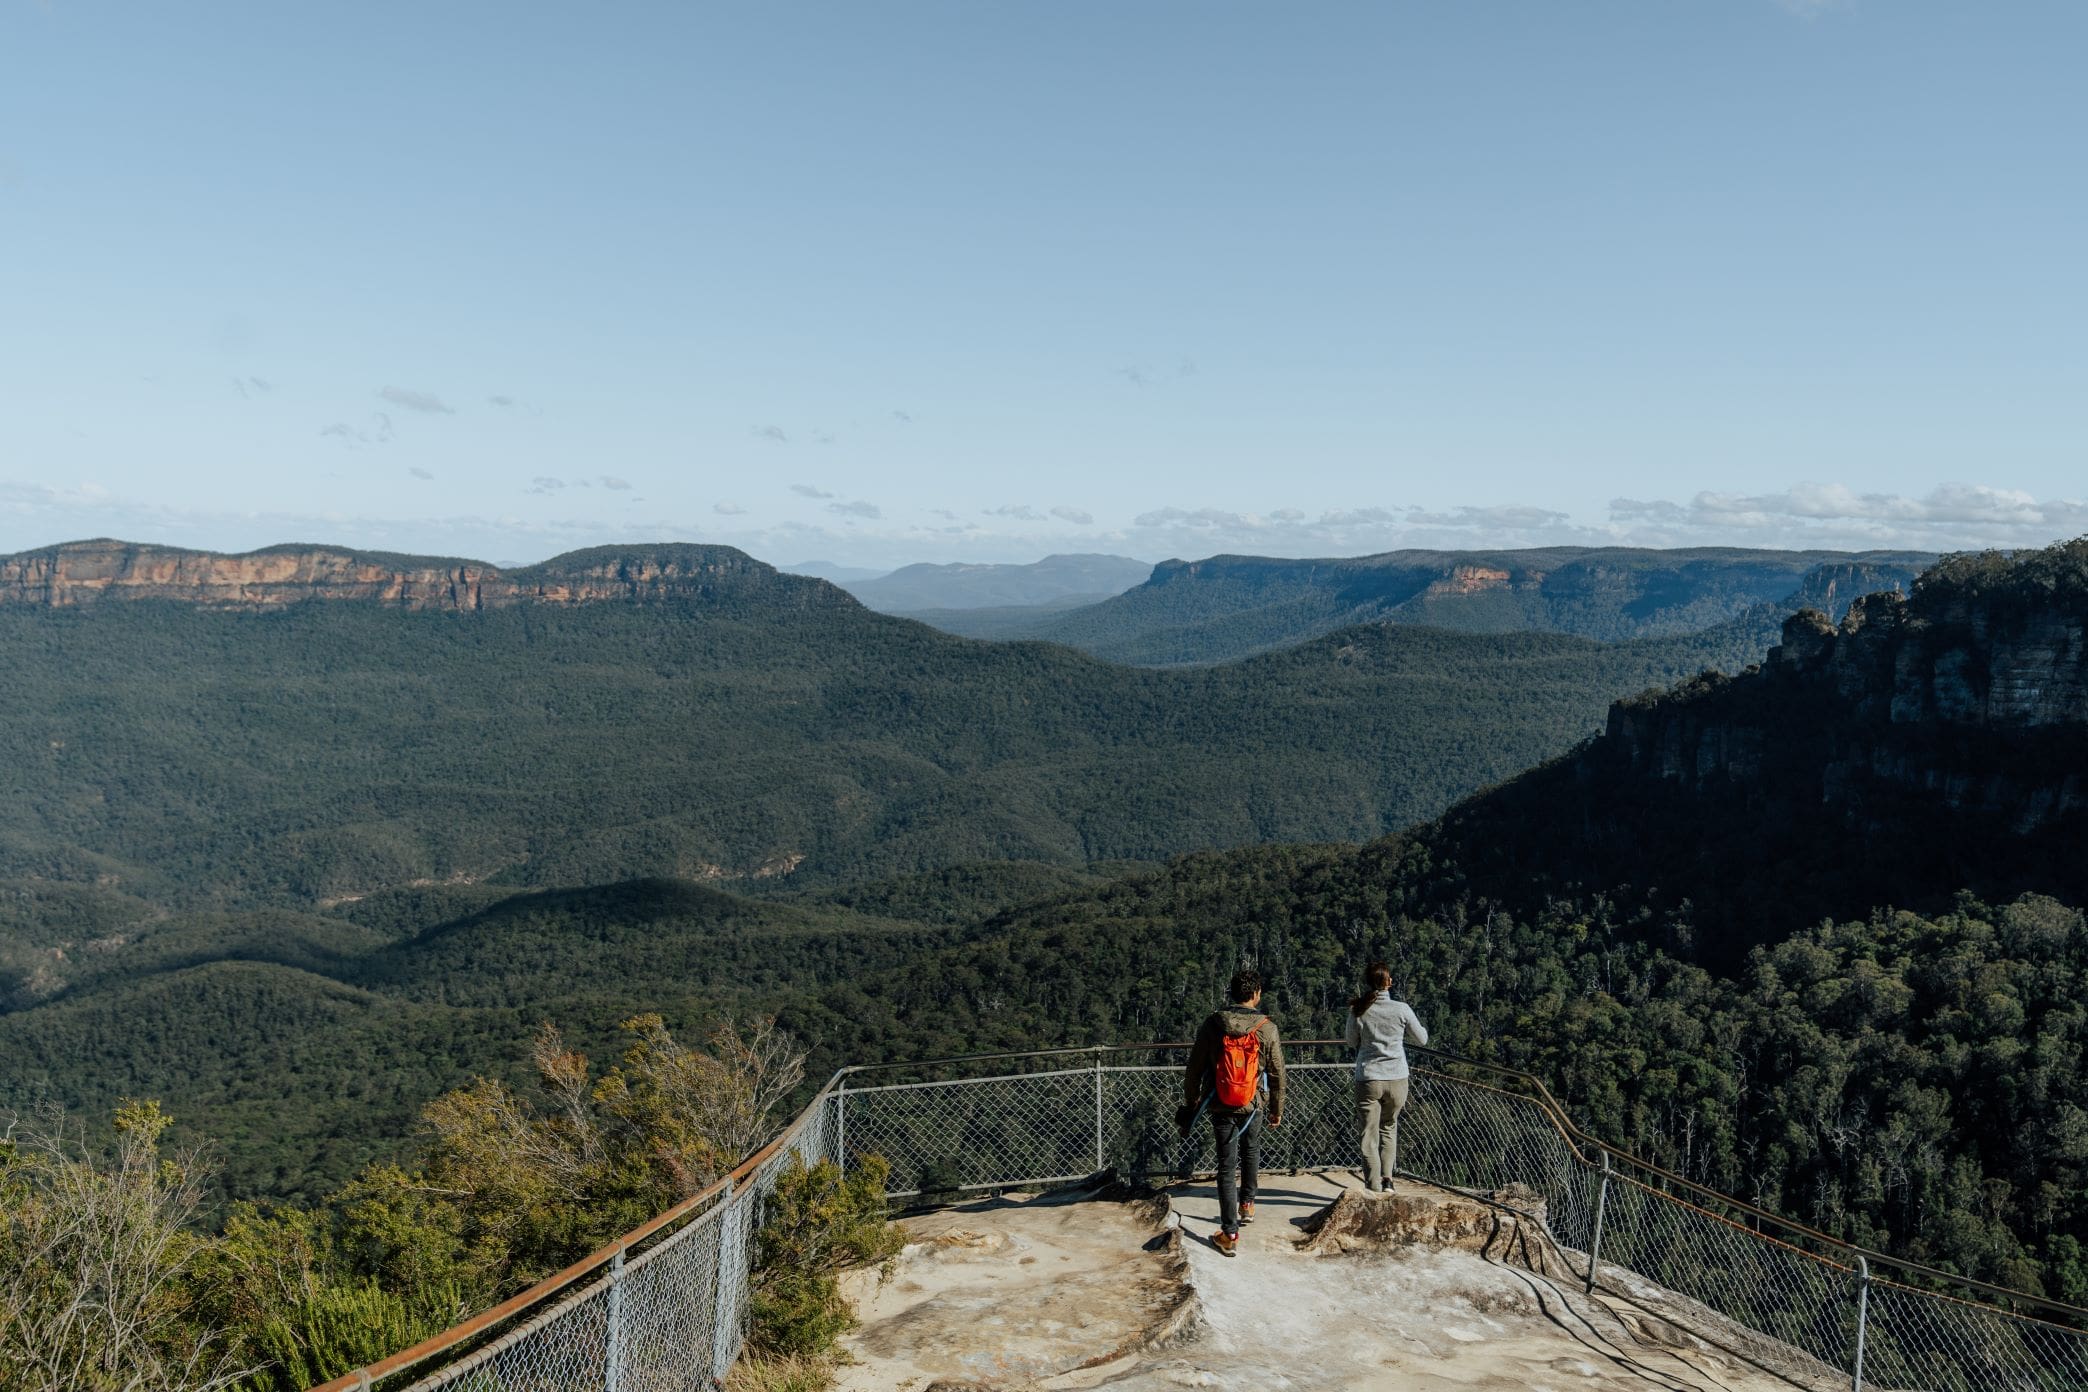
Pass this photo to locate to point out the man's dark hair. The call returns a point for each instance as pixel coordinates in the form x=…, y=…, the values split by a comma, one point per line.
x=1244, y=984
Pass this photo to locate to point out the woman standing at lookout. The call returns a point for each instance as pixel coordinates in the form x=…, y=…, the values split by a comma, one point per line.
x=1379, y=1028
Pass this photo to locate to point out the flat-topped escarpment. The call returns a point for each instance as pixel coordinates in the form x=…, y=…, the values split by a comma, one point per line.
x=86, y=572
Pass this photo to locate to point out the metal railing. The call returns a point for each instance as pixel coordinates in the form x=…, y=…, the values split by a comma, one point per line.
x=661, y=1309
x=666, y=1306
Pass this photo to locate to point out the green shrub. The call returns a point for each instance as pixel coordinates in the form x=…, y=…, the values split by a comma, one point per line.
x=338, y=1329
x=780, y=1373
x=820, y=1223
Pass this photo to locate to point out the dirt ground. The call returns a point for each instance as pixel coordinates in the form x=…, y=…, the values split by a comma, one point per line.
x=1333, y=1289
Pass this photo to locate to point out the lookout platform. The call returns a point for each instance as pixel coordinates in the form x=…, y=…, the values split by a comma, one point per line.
x=1334, y=1290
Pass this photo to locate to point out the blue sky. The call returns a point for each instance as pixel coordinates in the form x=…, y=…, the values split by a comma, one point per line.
x=928, y=281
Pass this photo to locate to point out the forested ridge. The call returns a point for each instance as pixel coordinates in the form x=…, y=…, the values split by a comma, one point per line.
x=1906, y=1080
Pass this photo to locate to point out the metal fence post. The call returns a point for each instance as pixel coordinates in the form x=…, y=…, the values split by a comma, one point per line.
x=841, y=1124
x=1601, y=1203
x=725, y=1333
x=1100, y=1160
x=1862, y=1315
x=612, y=1362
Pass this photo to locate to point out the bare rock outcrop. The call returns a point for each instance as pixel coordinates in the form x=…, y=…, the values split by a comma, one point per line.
x=1420, y=1217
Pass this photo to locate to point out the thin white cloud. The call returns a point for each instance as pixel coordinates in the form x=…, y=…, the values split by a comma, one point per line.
x=500, y=400
x=1020, y=512
x=806, y=490
x=615, y=484
x=418, y=472
x=1506, y=518
x=857, y=507
x=377, y=432
x=426, y=402
x=1079, y=517
x=1197, y=519
x=1356, y=531
x=773, y=433
x=1953, y=515
x=728, y=509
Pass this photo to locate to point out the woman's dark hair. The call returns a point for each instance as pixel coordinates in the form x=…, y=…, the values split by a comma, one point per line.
x=1376, y=977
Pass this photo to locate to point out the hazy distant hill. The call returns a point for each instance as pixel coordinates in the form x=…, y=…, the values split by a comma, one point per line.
x=964, y=586
x=1002, y=623
x=1228, y=607
x=829, y=571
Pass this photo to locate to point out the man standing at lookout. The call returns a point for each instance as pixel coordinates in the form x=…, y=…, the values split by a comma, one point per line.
x=1236, y=1069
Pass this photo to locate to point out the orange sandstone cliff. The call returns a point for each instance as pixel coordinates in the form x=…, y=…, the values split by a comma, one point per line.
x=87, y=572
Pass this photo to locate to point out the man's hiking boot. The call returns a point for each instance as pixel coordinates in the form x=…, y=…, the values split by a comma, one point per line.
x=1247, y=1211
x=1227, y=1242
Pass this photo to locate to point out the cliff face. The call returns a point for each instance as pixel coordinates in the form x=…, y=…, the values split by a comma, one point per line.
x=88, y=572
x=1978, y=707
x=1927, y=744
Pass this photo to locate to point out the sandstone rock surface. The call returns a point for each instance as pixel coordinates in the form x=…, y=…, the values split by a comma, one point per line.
x=1334, y=1291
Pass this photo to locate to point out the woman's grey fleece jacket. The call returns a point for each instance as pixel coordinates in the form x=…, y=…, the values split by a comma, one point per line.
x=1379, y=1036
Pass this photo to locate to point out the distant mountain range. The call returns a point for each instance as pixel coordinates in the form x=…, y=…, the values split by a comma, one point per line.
x=1228, y=607
x=1174, y=614
x=303, y=724
x=834, y=574
x=1057, y=581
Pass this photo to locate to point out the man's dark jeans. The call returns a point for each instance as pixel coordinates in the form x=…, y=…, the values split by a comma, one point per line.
x=1239, y=1164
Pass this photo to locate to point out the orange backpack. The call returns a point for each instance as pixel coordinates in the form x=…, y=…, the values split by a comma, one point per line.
x=1239, y=1069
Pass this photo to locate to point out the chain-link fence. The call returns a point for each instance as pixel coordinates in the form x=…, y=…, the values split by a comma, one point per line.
x=667, y=1308
x=1067, y=1115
